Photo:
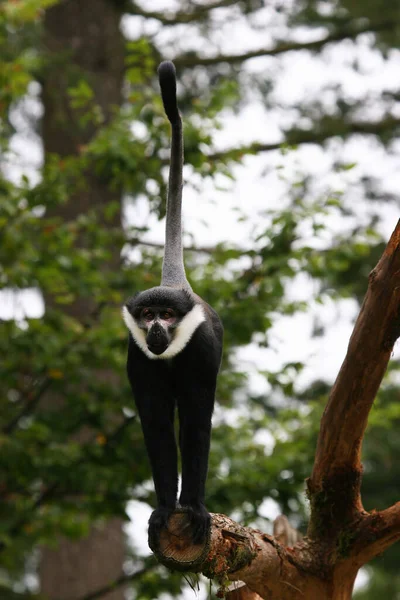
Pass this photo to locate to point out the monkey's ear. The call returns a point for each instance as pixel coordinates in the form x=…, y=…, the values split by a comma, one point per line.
x=130, y=305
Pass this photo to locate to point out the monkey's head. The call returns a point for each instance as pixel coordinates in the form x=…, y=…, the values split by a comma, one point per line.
x=162, y=320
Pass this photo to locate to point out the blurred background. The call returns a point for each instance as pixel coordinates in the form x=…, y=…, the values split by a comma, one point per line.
x=291, y=118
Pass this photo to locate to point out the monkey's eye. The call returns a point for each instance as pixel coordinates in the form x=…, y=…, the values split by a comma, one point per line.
x=167, y=314
x=147, y=314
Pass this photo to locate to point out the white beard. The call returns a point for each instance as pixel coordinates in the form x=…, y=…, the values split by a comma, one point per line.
x=182, y=334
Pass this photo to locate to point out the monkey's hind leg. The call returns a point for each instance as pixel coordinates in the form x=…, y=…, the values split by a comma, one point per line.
x=195, y=412
x=156, y=410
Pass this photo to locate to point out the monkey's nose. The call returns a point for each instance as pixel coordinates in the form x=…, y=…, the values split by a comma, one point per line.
x=156, y=340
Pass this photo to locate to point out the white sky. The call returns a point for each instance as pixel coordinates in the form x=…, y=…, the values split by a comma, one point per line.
x=209, y=218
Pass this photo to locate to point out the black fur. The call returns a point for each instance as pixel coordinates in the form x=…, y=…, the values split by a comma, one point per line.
x=167, y=78
x=181, y=300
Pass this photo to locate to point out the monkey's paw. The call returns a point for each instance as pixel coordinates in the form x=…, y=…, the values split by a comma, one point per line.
x=200, y=521
x=159, y=521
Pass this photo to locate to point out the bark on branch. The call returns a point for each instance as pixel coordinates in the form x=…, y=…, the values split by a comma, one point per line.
x=376, y=532
x=334, y=485
x=238, y=553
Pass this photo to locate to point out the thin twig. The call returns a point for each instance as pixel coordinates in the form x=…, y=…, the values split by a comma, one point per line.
x=315, y=136
x=350, y=32
x=179, y=17
x=120, y=581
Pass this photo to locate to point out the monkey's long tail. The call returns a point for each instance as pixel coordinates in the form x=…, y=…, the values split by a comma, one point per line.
x=173, y=271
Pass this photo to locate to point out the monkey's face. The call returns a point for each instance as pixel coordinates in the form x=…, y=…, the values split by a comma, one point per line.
x=158, y=323
x=162, y=320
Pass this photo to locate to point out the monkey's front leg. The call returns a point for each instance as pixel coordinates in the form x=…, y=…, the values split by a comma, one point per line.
x=195, y=413
x=158, y=429
x=156, y=406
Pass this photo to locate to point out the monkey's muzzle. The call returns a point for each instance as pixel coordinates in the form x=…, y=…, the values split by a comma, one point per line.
x=157, y=340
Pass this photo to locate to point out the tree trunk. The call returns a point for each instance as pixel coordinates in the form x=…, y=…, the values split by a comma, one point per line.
x=76, y=568
x=82, y=40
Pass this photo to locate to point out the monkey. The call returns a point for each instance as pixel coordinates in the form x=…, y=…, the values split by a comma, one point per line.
x=174, y=356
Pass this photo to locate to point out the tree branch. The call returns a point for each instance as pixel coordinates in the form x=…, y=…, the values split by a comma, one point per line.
x=123, y=580
x=334, y=485
x=284, y=534
x=160, y=246
x=241, y=553
x=377, y=532
x=349, y=32
x=322, y=132
x=180, y=17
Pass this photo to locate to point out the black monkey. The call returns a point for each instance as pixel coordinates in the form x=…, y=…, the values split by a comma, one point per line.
x=174, y=354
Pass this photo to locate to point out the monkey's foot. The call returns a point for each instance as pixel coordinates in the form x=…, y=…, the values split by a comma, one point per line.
x=200, y=521
x=175, y=545
x=159, y=521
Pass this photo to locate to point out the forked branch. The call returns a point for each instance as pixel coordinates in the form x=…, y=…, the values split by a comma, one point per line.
x=377, y=532
x=335, y=481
